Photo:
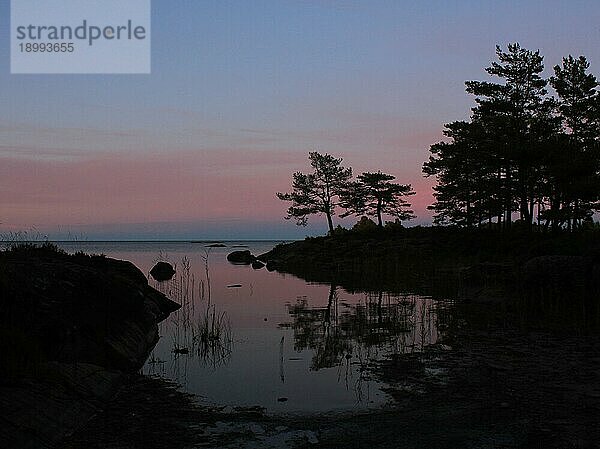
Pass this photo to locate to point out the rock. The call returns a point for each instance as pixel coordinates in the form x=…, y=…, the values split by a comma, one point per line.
x=85, y=323
x=162, y=271
x=244, y=257
x=257, y=264
x=271, y=265
x=311, y=437
x=257, y=429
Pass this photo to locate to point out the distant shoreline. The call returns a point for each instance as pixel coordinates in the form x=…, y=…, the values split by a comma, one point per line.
x=159, y=241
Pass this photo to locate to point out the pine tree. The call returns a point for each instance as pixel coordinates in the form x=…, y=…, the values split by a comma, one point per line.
x=575, y=173
x=317, y=192
x=511, y=111
x=375, y=194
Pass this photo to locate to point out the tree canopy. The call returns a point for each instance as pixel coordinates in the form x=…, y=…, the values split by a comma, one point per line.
x=330, y=186
x=523, y=151
x=374, y=194
x=317, y=192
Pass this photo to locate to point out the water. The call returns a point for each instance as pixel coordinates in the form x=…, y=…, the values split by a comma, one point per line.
x=249, y=337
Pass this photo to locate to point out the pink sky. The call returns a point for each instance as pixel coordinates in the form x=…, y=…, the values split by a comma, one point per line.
x=239, y=93
x=181, y=186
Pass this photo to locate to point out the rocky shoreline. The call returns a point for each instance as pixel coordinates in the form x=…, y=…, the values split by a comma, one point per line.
x=495, y=378
x=475, y=266
x=74, y=328
x=495, y=388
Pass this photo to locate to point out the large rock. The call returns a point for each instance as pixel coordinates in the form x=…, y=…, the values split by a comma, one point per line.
x=71, y=328
x=244, y=257
x=162, y=271
x=82, y=308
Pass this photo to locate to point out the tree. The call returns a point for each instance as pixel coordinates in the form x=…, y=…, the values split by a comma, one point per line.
x=466, y=169
x=317, y=192
x=578, y=98
x=375, y=194
x=574, y=172
x=516, y=110
x=499, y=162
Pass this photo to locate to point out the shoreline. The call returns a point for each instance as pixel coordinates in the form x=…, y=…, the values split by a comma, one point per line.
x=486, y=383
x=477, y=265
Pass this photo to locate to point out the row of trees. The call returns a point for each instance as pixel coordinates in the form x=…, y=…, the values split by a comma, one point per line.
x=330, y=186
x=523, y=151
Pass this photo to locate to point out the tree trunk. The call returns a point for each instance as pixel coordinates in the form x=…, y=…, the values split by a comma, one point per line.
x=327, y=317
x=554, y=207
x=509, y=200
x=379, y=220
x=531, y=209
x=329, y=222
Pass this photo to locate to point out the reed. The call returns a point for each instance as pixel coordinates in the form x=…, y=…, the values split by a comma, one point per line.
x=198, y=330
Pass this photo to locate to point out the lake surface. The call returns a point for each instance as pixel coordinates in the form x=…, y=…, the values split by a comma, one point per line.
x=246, y=337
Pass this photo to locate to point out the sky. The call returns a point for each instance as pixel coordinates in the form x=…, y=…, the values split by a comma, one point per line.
x=239, y=93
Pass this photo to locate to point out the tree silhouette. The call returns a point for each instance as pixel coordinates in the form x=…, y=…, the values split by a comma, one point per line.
x=575, y=165
x=468, y=189
x=317, y=192
x=513, y=109
x=374, y=194
x=523, y=150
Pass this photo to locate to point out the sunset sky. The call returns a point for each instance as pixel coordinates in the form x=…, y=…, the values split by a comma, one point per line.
x=239, y=93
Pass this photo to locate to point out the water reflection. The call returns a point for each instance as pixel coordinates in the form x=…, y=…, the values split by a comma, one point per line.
x=252, y=337
x=199, y=329
x=352, y=336
x=348, y=335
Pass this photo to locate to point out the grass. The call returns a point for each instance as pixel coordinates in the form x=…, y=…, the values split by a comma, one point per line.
x=198, y=329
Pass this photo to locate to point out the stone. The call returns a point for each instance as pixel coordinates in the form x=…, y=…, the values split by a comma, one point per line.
x=162, y=271
x=271, y=265
x=85, y=322
x=244, y=257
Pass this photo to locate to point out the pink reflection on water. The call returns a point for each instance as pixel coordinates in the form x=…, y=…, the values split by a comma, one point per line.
x=281, y=338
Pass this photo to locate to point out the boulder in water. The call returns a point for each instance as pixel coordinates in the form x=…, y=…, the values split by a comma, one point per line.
x=162, y=271
x=241, y=257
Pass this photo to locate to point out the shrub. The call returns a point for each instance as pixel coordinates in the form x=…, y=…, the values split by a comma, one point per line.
x=365, y=225
x=339, y=230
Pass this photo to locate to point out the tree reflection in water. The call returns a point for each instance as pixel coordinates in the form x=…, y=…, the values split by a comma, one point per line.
x=353, y=336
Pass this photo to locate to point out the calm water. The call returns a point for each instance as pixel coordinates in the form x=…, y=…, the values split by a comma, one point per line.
x=252, y=337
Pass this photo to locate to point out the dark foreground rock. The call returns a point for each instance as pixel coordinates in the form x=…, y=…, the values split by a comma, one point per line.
x=72, y=327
